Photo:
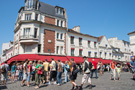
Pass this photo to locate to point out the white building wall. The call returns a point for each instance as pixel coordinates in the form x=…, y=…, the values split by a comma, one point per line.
x=84, y=45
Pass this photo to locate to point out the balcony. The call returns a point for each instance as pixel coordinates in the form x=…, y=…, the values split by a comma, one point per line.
x=29, y=39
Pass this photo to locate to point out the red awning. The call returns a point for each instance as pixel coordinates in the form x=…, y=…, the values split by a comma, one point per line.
x=32, y=57
x=106, y=61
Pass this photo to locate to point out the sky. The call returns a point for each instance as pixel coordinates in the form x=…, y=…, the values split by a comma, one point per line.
x=112, y=18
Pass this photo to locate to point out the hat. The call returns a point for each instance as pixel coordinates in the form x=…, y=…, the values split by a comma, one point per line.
x=45, y=59
x=84, y=57
x=58, y=60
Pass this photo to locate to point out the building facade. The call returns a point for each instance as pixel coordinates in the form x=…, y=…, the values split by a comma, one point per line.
x=120, y=46
x=132, y=42
x=42, y=29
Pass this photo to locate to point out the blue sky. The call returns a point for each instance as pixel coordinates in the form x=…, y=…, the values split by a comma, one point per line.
x=112, y=18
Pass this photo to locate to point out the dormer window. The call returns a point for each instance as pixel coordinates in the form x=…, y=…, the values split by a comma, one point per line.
x=31, y=4
x=59, y=11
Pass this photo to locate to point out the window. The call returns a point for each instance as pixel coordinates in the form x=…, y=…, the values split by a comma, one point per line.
x=29, y=4
x=36, y=17
x=27, y=16
x=106, y=45
x=27, y=32
x=80, y=41
x=58, y=22
x=57, y=50
x=61, y=36
x=61, y=11
x=95, y=54
x=72, y=40
x=72, y=51
x=88, y=43
x=49, y=50
x=61, y=51
x=61, y=23
x=100, y=54
x=57, y=35
x=39, y=48
x=95, y=44
x=35, y=33
x=89, y=54
x=80, y=52
x=105, y=55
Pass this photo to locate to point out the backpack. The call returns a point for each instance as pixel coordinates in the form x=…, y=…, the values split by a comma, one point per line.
x=3, y=69
x=88, y=66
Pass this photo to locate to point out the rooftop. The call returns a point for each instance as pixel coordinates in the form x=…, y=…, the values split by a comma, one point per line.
x=131, y=32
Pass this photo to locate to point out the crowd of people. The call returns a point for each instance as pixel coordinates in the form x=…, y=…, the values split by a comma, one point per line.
x=46, y=72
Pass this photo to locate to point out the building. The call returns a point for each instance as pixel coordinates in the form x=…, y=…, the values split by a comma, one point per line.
x=132, y=42
x=80, y=44
x=7, y=51
x=105, y=50
x=122, y=47
x=41, y=31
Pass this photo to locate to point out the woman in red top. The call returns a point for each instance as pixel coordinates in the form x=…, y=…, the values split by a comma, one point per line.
x=29, y=73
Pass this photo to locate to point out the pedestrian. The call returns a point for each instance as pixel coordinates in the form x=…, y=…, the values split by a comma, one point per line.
x=17, y=72
x=94, y=68
x=66, y=70
x=46, y=71
x=25, y=70
x=13, y=69
x=53, y=71
x=108, y=67
x=69, y=74
x=59, y=73
x=87, y=70
x=113, y=70
x=118, y=70
x=21, y=71
x=100, y=67
x=4, y=73
x=73, y=74
x=33, y=71
x=29, y=73
x=39, y=72
x=132, y=65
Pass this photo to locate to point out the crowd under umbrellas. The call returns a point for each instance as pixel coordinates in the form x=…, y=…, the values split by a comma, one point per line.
x=44, y=72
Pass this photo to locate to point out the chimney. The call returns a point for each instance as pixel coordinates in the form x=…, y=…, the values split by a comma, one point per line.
x=76, y=28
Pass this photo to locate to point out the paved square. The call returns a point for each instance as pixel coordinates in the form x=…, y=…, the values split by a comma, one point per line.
x=102, y=83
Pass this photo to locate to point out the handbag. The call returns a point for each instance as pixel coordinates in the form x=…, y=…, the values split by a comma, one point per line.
x=75, y=72
x=39, y=72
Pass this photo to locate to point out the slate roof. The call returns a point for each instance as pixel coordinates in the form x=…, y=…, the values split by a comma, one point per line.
x=49, y=10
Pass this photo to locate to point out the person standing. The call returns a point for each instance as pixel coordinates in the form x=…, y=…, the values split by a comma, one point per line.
x=66, y=70
x=87, y=70
x=132, y=65
x=113, y=69
x=46, y=72
x=94, y=68
x=29, y=73
x=25, y=69
x=13, y=68
x=59, y=73
x=73, y=75
x=118, y=70
x=4, y=73
x=100, y=67
x=53, y=72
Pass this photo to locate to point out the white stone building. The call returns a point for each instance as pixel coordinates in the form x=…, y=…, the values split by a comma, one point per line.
x=132, y=42
x=105, y=50
x=123, y=47
x=7, y=51
x=79, y=44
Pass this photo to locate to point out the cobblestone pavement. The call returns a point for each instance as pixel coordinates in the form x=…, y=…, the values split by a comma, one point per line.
x=102, y=83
